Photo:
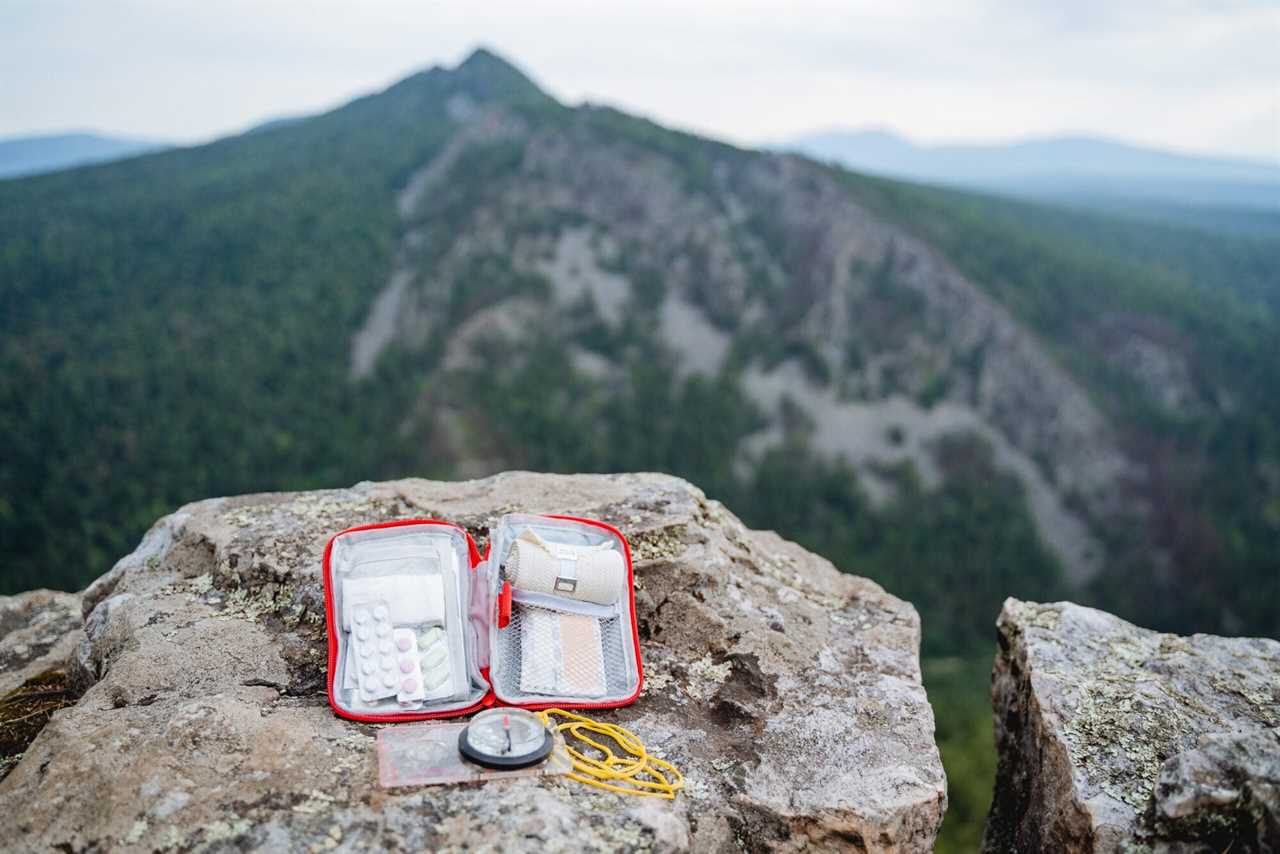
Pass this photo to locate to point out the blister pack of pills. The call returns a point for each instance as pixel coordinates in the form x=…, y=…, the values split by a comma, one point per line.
x=420, y=626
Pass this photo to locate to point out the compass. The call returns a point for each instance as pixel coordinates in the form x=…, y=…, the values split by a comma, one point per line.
x=505, y=739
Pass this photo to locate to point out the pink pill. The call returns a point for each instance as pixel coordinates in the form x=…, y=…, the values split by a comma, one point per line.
x=409, y=685
x=406, y=665
x=404, y=643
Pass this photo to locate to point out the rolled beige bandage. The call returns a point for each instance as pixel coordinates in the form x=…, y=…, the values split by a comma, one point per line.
x=588, y=573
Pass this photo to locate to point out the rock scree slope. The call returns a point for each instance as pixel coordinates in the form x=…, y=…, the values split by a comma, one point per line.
x=196, y=718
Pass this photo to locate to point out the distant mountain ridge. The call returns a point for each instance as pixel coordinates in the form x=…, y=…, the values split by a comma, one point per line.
x=1056, y=166
x=960, y=396
x=38, y=154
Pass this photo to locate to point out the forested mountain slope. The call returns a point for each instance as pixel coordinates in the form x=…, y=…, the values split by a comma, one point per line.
x=962, y=397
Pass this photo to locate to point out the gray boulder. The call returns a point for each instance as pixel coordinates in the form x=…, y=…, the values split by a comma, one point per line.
x=1116, y=738
x=193, y=712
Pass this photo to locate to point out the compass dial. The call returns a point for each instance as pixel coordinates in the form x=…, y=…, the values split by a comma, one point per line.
x=505, y=738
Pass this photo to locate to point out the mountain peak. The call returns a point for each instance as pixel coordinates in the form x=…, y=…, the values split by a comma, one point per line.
x=489, y=75
x=483, y=77
x=483, y=57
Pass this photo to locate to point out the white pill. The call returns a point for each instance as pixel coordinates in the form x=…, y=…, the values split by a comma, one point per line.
x=434, y=678
x=380, y=613
x=389, y=680
x=383, y=630
x=362, y=615
x=387, y=662
x=368, y=668
x=385, y=647
x=362, y=633
x=434, y=656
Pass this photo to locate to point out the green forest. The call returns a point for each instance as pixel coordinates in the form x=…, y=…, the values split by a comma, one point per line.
x=176, y=327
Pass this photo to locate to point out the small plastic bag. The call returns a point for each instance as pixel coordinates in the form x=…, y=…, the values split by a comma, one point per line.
x=427, y=755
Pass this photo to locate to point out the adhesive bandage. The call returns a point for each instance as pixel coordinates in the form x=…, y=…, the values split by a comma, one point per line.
x=561, y=654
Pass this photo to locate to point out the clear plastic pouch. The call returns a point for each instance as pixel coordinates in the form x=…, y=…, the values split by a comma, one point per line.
x=427, y=755
x=421, y=627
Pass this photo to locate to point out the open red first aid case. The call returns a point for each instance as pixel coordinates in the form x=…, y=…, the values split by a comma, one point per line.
x=420, y=626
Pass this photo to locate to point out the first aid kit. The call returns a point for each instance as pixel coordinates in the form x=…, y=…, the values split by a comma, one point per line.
x=421, y=626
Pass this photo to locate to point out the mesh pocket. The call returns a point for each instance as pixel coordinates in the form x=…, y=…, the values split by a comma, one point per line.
x=545, y=653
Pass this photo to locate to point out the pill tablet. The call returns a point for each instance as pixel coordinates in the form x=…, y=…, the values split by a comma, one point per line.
x=406, y=665
x=409, y=685
x=380, y=613
x=362, y=616
x=404, y=643
x=435, y=678
x=368, y=668
x=383, y=630
x=362, y=633
x=388, y=680
x=387, y=662
x=434, y=656
x=385, y=647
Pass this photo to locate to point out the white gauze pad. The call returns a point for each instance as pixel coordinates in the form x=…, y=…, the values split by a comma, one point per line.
x=412, y=599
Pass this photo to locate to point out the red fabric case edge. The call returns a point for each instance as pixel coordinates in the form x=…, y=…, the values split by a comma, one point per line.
x=489, y=699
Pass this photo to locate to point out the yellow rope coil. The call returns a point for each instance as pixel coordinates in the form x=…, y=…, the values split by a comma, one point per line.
x=634, y=772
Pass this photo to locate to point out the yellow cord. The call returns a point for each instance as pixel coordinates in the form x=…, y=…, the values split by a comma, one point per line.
x=634, y=773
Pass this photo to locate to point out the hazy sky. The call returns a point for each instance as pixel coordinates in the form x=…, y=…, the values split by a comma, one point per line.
x=1199, y=76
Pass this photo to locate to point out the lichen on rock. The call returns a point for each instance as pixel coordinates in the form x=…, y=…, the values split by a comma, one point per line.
x=1102, y=729
x=788, y=693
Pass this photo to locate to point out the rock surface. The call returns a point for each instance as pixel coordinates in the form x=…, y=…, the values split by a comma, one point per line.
x=787, y=692
x=39, y=634
x=1115, y=738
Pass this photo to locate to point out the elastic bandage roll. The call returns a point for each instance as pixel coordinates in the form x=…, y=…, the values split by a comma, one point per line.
x=587, y=573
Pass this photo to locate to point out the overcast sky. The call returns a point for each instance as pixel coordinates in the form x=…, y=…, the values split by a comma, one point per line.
x=1196, y=76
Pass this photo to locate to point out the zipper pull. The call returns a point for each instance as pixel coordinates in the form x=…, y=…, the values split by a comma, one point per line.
x=504, y=605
